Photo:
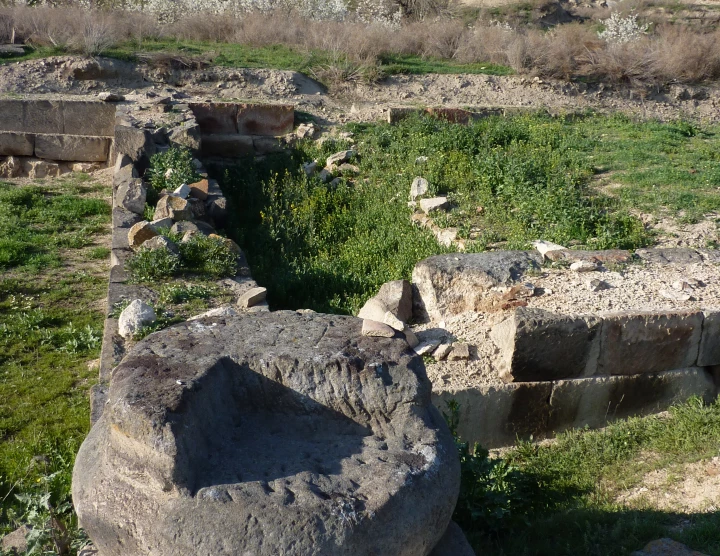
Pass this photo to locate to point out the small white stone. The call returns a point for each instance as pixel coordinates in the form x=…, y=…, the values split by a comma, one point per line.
x=134, y=317
x=546, y=246
x=183, y=191
x=583, y=266
x=426, y=347
x=392, y=321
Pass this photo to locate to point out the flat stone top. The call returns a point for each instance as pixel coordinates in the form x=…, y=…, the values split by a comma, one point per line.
x=500, y=266
x=318, y=355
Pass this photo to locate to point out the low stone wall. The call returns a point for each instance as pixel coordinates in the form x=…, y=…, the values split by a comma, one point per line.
x=56, y=130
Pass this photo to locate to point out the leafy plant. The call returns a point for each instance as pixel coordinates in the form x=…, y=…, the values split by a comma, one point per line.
x=180, y=293
x=172, y=168
x=148, y=265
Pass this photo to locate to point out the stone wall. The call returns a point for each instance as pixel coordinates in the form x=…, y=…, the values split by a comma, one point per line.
x=62, y=131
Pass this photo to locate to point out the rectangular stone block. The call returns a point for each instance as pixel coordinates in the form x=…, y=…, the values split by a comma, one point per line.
x=710, y=342
x=215, y=117
x=265, y=119
x=596, y=401
x=72, y=147
x=31, y=116
x=267, y=145
x=96, y=119
x=16, y=144
x=537, y=345
x=227, y=146
x=647, y=342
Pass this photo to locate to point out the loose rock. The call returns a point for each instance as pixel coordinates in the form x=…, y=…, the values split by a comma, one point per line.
x=377, y=329
x=460, y=351
x=435, y=203
x=134, y=317
x=583, y=266
x=140, y=233
x=418, y=188
x=252, y=297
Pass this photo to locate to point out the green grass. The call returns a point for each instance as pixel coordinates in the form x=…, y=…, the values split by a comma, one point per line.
x=560, y=498
x=329, y=248
x=50, y=327
x=289, y=58
x=32, y=54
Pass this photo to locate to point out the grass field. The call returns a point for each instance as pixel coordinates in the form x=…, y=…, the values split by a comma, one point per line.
x=53, y=279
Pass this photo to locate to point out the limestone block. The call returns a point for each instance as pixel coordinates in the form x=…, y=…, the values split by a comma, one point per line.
x=135, y=143
x=596, y=401
x=265, y=119
x=173, y=207
x=434, y=203
x=377, y=329
x=451, y=284
x=31, y=116
x=252, y=297
x=648, y=342
x=134, y=317
x=227, y=146
x=93, y=118
x=72, y=147
x=16, y=144
x=537, y=345
x=710, y=342
x=187, y=135
x=215, y=117
x=140, y=233
x=266, y=431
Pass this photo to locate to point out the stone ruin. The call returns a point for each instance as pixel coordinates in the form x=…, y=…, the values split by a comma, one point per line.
x=245, y=431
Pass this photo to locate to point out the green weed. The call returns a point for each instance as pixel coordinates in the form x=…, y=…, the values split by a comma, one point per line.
x=172, y=168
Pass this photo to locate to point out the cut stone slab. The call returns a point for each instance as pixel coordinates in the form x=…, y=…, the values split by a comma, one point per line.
x=72, y=147
x=266, y=145
x=93, y=118
x=252, y=297
x=215, y=117
x=173, y=207
x=434, y=203
x=16, y=144
x=227, y=146
x=442, y=352
x=537, y=345
x=669, y=255
x=377, y=329
x=140, y=233
x=617, y=256
x=32, y=116
x=446, y=285
x=137, y=144
x=347, y=456
x=134, y=317
x=666, y=547
x=131, y=195
x=648, y=342
x=418, y=188
x=453, y=543
x=709, y=354
x=265, y=119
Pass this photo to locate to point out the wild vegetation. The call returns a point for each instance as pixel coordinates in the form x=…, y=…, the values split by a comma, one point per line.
x=51, y=315
x=641, y=43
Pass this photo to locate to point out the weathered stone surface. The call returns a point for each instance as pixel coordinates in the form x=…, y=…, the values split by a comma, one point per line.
x=252, y=297
x=160, y=242
x=595, y=401
x=140, y=233
x=709, y=353
x=710, y=255
x=669, y=255
x=455, y=283
x=538, y=345
x=36, y=168
x=666, y=547
x=184, y=227
x=434, y=203
x=15, y=542
x=460, y=352
x=197, y=207
x=182, y=191
x=138, y=144
x=453, y=543
x=442, y=351
x=225, y=311
x=200, y=189
x=72, y=147
x=123, y=218
x=32, y=116
x=377, y=329
x=345, y=457
x=572, y=255
x=159, y=223
x=418, y=188
x=131, y=196
x=11, y=167
x=394, y=297
x=648, y=342
x=584, y=266
x=267, y=145
x=134, y=317
x=173, y=207
x=108, y=96
x=215, y=117
x=265, y=119
x=227, y=146
x=339, y=158
x=410, y=337
x=16, y=144
x=92, y=118
x=187, y=135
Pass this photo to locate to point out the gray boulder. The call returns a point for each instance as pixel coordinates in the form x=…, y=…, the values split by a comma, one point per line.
x=134, y=317
x=459, y=282
x=267, y=434
x=131, y=196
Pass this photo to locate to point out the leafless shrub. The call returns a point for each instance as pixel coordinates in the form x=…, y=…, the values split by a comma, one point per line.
x=7, y=25
x=680, y=54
